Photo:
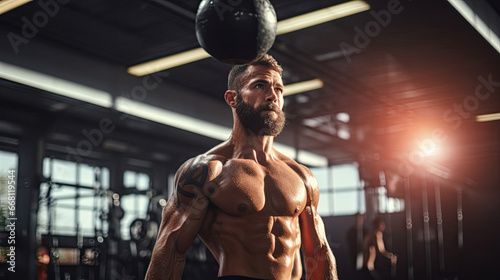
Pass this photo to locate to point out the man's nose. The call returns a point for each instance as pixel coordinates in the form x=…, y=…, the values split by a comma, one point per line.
x=272, y=96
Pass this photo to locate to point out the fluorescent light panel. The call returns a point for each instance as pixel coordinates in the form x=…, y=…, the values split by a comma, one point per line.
x=321, y=16
x=304, y=86
x=488, y=117
x=172, y=61
x=284, y=26
x=476, y=22
x=55, y=85
x=7, y=5
x=170, y=118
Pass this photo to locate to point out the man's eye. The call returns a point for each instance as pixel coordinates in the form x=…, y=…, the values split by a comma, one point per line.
x=259, y=86
x=280, y=90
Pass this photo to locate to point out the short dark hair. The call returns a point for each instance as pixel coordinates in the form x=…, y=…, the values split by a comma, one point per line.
x=235, y=75
x=377, y=222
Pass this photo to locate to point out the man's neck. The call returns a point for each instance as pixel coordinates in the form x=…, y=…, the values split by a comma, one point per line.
x=250, y=145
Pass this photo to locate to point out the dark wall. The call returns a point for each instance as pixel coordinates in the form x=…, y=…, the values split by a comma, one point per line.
x=431, y=256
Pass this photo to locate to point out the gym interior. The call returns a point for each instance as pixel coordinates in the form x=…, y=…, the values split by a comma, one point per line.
x=393, y=104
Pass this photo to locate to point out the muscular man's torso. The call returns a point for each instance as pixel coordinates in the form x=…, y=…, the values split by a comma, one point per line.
x=252, y=224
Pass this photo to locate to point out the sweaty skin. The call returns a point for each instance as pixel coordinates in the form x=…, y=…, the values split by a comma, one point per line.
x=253, y=207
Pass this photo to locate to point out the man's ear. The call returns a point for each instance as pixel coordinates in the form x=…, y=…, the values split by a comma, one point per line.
x=230, y=97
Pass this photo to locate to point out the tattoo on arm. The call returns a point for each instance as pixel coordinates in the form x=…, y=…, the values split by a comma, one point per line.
x=186, y=193
x=196, y=175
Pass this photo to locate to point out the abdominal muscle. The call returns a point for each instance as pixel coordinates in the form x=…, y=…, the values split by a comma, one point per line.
x=256, y=245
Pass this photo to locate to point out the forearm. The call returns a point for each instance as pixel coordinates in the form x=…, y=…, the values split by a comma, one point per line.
x=166, y=265
x=177, y=231
x=370, y=263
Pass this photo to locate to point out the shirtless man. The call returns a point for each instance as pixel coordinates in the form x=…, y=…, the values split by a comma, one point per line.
x=253, y=207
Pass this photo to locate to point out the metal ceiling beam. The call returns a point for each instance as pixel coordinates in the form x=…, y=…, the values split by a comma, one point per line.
x=179, y=10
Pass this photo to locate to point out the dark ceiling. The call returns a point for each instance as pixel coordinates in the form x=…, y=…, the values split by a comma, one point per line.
x=402, y=84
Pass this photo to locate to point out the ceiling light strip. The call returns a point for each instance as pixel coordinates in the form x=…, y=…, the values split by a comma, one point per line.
x=476, y=22
x=488, y=117
x=321, y=16
x=173, y=119
x=304, y=86
x=284, y=26
x=172, y=61
x=7, y=5
x=55, y=85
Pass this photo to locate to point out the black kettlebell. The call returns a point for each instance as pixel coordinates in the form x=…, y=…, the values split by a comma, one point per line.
x=236, y=31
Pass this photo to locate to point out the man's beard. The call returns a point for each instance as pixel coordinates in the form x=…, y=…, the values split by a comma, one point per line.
x=251, y=118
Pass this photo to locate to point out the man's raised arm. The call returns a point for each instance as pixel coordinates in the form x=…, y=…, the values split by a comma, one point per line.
x=318, y=257
x=182, y=218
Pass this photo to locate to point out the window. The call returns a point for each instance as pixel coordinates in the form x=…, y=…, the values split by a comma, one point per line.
x=73, y=200
x=140, y=181
x=134, y=205
x=341, y=192
x=389, y=204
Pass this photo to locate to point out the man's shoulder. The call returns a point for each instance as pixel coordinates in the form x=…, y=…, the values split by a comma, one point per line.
x=206, y=158
x=205, y=162
x=206, y=166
